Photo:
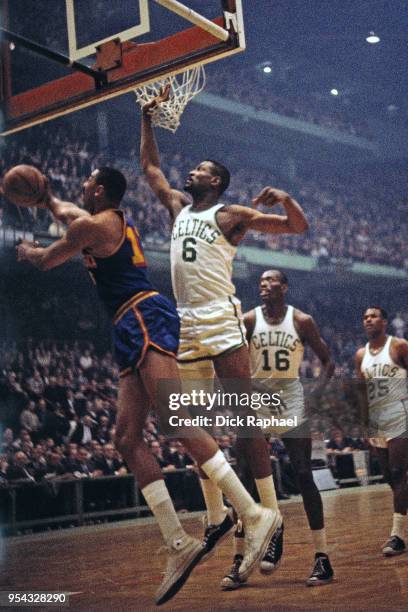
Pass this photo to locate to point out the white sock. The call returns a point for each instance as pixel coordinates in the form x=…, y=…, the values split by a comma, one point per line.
x=398, y=525
x=319, y=540
x=219, y=471
x=159, y=502
x=214, y=501
x=267, y=493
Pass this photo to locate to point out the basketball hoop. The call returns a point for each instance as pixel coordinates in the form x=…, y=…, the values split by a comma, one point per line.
x=183, y=87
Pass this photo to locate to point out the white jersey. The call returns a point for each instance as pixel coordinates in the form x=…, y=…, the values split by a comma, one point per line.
x=386, y=391
x=276, y=353
x=201, y=258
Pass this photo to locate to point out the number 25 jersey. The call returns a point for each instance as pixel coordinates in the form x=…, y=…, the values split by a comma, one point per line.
x=386, y=380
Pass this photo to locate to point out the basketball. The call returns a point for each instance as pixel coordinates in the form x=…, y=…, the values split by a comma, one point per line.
x=24, y=185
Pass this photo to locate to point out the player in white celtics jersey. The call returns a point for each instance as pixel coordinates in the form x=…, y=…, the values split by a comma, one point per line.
x=383, y=364
x=277, y=334
x=204, y=240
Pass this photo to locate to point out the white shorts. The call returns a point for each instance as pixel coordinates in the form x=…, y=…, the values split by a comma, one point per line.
x=390, y=421
x=291, y=416
x=209, y=331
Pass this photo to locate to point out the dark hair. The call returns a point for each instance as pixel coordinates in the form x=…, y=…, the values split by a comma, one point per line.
x=383, y=312
x=113, y=181
x=223, y=173
x=284, y=278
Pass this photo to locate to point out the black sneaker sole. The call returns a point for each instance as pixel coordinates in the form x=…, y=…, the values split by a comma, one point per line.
x=320, y=582
x=233, y=586
x=182, y=580
x=394, y=553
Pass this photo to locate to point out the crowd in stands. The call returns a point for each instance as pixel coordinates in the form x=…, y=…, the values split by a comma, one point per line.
x=262, y=92
x=58, y=400
x=349, y=219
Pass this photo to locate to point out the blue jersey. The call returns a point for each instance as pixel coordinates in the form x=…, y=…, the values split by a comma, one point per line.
x=124, y=273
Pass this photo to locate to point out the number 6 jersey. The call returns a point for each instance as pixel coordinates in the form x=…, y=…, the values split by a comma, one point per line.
x=201, y=258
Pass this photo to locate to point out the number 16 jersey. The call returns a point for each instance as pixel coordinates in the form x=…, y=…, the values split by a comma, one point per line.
x=276, y=353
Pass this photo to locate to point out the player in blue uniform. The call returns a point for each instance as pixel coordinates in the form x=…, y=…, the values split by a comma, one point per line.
x=145, y=333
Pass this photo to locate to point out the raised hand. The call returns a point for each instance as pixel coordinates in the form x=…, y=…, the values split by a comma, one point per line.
x=269, y=196
x=163, y=96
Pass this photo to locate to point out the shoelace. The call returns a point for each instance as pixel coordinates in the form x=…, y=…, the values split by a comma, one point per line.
x=270, y=551
x=236, y=565
x=209, y=531
x=319, y=567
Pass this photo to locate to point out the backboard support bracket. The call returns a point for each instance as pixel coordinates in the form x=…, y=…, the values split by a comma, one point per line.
x=122, y=65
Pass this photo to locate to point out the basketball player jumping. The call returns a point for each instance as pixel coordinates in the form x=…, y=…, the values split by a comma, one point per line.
x=204, y=240
x=383, y=364
x=277, y=333
x=146, y=337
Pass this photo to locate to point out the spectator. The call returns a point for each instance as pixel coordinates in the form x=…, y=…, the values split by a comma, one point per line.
x=29, y=419
x=109, y=465
x=83, y=433
x=18, y=470
x=181, y=459
x=157, y=452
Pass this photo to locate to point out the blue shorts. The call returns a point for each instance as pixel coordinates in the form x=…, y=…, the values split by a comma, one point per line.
x=148, y=320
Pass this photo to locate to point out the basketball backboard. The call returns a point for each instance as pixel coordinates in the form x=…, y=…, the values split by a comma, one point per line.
x=62, y=55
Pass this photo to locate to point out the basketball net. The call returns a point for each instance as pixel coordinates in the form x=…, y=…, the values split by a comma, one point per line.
x=183, y=87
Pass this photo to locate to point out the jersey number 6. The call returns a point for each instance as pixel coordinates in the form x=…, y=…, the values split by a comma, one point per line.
x=189, y=252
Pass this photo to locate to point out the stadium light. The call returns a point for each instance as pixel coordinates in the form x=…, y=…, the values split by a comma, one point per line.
x=267, y=69
x=372, y=38
x=334, y=92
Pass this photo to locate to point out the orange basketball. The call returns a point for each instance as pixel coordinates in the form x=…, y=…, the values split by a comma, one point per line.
x=24, y=185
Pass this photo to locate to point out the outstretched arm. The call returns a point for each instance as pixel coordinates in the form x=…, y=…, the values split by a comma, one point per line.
x=78, y=237
x=66, y=212
x=172, y=199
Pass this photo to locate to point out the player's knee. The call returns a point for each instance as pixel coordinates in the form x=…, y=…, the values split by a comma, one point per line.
x=125, y=443
x=120, y=442
x=398, y=476
x=305, y=478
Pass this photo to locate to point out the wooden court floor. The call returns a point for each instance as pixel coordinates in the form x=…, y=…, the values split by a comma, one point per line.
x=116, y=566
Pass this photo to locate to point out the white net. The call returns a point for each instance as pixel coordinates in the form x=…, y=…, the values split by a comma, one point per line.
x=183, y=87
